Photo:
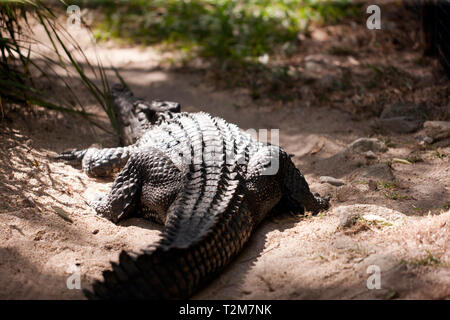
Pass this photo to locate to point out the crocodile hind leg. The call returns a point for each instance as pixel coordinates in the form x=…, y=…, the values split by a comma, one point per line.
x=99, y=162
x=296, y=192
x=149, y=181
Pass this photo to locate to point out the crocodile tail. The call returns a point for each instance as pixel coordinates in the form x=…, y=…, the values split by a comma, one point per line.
x=170, y=271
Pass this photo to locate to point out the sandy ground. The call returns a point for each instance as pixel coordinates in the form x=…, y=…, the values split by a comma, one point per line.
x=404, y=229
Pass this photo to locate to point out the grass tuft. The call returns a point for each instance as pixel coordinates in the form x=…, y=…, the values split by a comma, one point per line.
x=19, y=57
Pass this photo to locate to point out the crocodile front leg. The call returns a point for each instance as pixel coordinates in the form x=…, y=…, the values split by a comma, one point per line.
x=100, y=162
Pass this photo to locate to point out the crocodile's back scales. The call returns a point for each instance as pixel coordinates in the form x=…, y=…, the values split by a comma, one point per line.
x=205, y=180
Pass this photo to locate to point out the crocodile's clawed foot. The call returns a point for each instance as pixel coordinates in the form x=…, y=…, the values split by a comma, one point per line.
x=322, y=203
x=71, y=155
x=99, y=204
x=97, y=200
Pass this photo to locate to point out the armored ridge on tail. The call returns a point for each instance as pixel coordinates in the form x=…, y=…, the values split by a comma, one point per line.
x=204, y=179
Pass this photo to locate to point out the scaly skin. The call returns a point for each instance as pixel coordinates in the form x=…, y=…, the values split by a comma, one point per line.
x=205, y=181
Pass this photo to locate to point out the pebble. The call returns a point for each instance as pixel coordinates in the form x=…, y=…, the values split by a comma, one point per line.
x=29, y=202
x=331, y=180
x=366, y=144
x=373, y=186
x=347, y=219
x=424, y=139
x=437, y=130
x=370, y=155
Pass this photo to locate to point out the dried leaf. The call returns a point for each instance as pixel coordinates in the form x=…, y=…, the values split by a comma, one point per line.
x=62, y=214
x=404, y=161
x=317, y=147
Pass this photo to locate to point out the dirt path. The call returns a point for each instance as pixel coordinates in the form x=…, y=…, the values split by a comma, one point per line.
x=403, y=227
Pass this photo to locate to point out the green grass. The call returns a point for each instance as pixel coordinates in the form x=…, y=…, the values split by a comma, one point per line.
x=388, y=190
x=376, y=223
x=438, y=154
x=428, y=260
x=387, y=184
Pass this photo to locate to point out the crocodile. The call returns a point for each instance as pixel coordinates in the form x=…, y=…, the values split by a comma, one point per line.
x=209, y=183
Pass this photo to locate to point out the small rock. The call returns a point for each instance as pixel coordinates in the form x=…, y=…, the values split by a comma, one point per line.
x=318, y=62
x=366, y=144
x=347, y=192
x=373, y=186
x=348, y=218
x=362, y=187
x=319, y=35
x=332, y=181
x=29, y=202
x=374, y=218
x=437, y=130
x=370, y=155
x=428, y=140
x=379, y=171
x=410, y=111
x=399, y=124
x=313, y=66
x=424, y=139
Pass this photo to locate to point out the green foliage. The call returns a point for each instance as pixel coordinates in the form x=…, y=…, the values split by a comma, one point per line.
x=428, y=260
x=223, y=29
x=69, y=65
x=240, y=37
x=388, y=188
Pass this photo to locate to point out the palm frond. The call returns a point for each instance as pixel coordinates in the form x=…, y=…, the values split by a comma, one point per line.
x=19, y=55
